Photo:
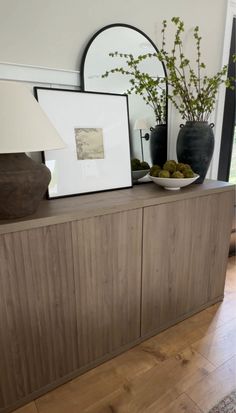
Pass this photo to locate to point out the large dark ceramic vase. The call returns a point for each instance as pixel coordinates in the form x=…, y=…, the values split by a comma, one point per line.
x=195, y=146
x=158, y=144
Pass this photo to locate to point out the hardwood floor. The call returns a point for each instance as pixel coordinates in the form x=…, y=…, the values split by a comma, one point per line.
x=187, y=368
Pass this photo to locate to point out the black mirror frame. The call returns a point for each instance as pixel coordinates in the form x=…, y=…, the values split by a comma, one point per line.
x=97, y=34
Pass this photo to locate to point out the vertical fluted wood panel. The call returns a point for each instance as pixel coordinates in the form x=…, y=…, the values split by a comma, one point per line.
x=38, y=340
x=184, y=257
x=71, y=293
x=107, y=252
x=221, y=225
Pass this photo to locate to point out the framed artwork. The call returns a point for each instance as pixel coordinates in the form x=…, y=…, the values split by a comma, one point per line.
x=95, y=129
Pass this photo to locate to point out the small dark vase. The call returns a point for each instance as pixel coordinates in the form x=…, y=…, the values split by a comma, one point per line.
x=158, y=144
x=195, y=146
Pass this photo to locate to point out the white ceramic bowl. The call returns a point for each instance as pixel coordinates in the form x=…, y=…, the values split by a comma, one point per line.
x=173, y=184
x=139, y=174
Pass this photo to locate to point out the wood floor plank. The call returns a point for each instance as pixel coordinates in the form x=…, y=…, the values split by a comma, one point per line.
x=29, y=408
x=161, y=384
x=169, y=403
x=175, y=339
x=82, y=392
x=111, y=377
x=132, y=363
x=222, y=312
x=183, y=404
x=215, y=386
x=220, y=345
x=230, y=285
x=121, y=403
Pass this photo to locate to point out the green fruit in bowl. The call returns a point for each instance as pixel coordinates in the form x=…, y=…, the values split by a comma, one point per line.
x=172, y=169
x=185, y=170
x=170, y=166
x=187, y=166
x=181, y=166
x=188, y=173
x=135, y=164
x=164, y=174
x=177, y=174
x=144, y=165
x=155, y=169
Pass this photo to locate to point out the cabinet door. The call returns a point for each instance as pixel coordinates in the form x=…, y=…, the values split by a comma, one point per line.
x=38, y=340
x=107, y=262
x=185, y=254
x=222, y=210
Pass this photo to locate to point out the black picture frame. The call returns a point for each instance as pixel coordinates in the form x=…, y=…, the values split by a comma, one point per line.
x=95, y=129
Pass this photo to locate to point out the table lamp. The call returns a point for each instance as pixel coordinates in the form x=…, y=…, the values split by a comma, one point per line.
x=141, y=124
x=24, y=127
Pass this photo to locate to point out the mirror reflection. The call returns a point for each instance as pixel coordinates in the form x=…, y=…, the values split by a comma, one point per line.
x=96, y=61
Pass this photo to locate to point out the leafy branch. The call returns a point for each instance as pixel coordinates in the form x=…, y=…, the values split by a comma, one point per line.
x=152, y=90
x=192, y=93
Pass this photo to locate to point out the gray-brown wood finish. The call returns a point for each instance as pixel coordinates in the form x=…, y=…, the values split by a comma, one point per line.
x=58, y=211
x=107, y=264
x=38, y=342
x=184, y=257
x=222, y=210
x=72, y=286
x=64, y=304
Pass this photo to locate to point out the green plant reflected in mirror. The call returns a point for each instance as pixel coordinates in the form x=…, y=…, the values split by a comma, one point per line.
x=124, y=39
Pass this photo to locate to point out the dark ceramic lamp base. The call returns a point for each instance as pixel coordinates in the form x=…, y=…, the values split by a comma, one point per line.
x=23, y=183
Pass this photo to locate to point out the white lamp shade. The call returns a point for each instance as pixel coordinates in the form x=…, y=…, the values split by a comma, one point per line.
x=24, y=127
x=140, y=124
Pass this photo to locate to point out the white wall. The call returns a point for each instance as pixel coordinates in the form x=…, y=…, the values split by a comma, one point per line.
x=54, y=33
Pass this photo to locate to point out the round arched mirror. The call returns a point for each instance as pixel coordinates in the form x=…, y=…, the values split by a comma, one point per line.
x=124, y=39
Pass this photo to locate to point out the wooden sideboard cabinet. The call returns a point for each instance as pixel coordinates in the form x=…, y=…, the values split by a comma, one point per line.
x=87, y=277
x=184, y=250
x=107, y=273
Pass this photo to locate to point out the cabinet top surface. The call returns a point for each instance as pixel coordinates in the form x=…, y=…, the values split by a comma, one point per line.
x=56, y=211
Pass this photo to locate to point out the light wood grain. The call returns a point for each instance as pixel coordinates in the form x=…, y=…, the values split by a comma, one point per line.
x=183, y=253
x=183, y=404
x=107, y=252
x=177, y=338
x=102, y=390
x=150, y=393
x=29, y=408
x=217, y=385
x=82, y=392
x=219, y=346
x=230, y=288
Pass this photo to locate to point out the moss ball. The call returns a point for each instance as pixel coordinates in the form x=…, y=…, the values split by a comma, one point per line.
x=188, y=173
x=170, y=166
x=155, y=169
x=177, y=174
x=180, y=167
x=135, y=164
x=144, y=165
x=164, y=174
x=187, y=166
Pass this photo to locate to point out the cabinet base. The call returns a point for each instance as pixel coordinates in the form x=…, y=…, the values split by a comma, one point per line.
x=105, y=358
